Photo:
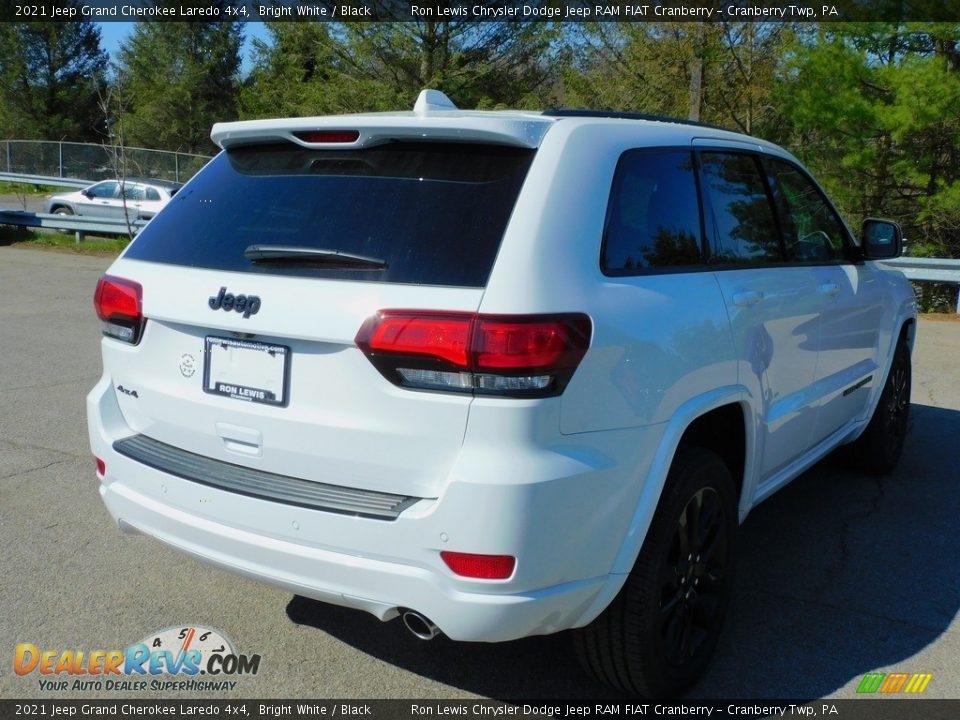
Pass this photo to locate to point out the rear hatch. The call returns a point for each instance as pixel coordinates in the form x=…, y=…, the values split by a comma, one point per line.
x=259, y=274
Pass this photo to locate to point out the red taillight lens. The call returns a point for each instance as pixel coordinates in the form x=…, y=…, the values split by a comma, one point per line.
x=328, y=136
x=445, y=337
x=101, y=467
x=514, y=355
x=511, y=345
x=484, y=567
x=119, y=303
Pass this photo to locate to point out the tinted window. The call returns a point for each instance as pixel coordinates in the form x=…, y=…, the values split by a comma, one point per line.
x=435, y=212
x=152, y=194
x=103, y=190
x=812, y=231
x=739, y=217
x=653, y=218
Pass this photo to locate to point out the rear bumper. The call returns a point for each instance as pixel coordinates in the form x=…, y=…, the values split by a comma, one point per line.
x=382, y=566
x=380, y=587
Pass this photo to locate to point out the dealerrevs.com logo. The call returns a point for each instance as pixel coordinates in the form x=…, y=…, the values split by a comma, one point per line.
x=190, y=658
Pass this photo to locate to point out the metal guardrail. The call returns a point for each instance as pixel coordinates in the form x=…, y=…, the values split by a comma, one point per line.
x=941, y=270
x=945, y=270
x=44, y=180
x=79, y=224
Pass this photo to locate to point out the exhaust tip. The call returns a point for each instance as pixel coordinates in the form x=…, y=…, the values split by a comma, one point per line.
x=419, y=625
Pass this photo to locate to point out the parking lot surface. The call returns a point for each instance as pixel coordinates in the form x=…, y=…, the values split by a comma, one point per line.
x=839, y=574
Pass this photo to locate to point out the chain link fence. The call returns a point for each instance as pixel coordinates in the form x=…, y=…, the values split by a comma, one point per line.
x=88, y=161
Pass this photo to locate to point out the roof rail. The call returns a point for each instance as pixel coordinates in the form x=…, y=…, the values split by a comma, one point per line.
x=576, y=112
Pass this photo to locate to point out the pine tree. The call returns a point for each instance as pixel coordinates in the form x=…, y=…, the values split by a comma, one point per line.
x=181, y=78
x=49, y=73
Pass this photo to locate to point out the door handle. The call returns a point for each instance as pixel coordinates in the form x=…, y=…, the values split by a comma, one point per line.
x=829, y=288
x=747, y=298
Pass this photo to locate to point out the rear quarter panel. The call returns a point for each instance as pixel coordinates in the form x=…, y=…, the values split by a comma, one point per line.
x=658, y=339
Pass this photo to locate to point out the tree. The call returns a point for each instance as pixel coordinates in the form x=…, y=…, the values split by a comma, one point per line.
x=293, y=74
x=719, y=72
x=874, y=110
x=48, y=78
x=485, y=64
x=182, y=78
x=310, y=69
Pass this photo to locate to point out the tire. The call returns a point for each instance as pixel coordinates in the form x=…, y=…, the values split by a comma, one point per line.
x=657, y=636
x=877, y=451
x=62, y=210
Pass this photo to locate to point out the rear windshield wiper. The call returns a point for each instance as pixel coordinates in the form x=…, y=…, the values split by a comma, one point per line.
x=296, y=255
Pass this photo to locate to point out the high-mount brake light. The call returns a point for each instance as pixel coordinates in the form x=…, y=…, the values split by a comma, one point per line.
x=119, y=303
x=483, y=567
x=328, y=136
x=512, y=355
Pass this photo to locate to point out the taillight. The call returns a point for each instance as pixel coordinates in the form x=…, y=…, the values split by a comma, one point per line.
x=101, y=467
x=484, y=567
x=514, y=355
x=119, y=303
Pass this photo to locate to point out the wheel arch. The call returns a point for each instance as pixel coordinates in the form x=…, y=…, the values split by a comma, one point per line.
x=694, y=421
x=906, y=332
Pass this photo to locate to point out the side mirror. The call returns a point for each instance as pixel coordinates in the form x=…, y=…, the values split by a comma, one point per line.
x=87, y=194
x=882, y=239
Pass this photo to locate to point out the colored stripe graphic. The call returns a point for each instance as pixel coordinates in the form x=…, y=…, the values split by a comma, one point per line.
x=871, y=682
x=894, y=682
x=918, y=683
x=914, y=683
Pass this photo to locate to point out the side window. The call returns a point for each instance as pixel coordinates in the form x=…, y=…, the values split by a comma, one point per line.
x=739, y=218
x=812, y=231
x=134, y=192
x=653, y=217
x=152, y=194
x=104, y=190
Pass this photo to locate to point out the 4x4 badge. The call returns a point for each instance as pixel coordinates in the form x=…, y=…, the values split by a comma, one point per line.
x=246, y=304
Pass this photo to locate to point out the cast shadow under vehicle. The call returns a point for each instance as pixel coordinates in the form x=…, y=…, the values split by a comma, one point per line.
x=838, y=574
x=536, y=667
x=841, y=573
x=10, y=234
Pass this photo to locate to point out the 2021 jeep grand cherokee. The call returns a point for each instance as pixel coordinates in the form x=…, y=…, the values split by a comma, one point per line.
x=501, y=373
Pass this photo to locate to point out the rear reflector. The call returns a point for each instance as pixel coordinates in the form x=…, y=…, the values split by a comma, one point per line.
x=101, y=467
x=516, y=355
x=484, y=567
x=119, y=303
x=328, y=136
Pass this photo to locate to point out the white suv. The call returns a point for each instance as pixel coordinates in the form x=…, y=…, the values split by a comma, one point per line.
x=499, y=373
x=141, y=199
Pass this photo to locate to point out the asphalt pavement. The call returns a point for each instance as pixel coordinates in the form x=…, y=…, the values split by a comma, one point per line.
x=840, y=574
x=30, y=203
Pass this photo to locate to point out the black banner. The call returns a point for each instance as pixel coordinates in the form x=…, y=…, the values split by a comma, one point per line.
x=482, y=10
x=853, y=709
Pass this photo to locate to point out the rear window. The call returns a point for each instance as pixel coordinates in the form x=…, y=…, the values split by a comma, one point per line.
x=434, y=212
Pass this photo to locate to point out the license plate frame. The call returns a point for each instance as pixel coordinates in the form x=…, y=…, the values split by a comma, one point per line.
x=246, y=359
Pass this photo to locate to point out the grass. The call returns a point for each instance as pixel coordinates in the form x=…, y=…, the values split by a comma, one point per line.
x=59, y=242
x=9, y=188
